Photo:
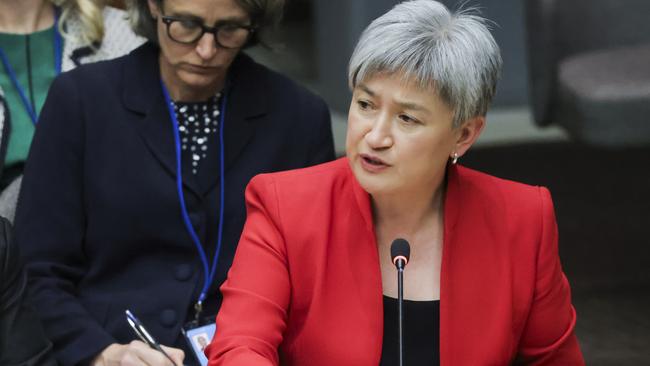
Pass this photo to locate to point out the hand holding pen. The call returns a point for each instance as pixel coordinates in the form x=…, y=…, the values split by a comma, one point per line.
x=137, y=353
x=145, y=336
x=145, y=352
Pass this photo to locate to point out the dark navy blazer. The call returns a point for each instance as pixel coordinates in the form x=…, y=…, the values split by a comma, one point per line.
x=22, y=340
x=99, y=220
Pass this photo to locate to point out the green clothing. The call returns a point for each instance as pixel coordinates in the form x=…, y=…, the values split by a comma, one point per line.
x=32, y=53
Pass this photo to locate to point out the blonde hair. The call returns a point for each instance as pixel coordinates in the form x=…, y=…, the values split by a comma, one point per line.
x=89, y=13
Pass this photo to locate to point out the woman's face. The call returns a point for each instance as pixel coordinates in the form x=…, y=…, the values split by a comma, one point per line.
x=399, y=136
x=196, y=70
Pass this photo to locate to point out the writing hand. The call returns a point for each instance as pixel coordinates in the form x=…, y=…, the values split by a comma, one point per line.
x=137, y=353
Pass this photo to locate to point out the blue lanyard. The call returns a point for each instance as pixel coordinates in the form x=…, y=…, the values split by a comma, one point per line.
x=208, y=272
x=58, y=46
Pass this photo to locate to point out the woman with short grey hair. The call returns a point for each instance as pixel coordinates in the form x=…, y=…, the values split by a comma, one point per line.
x=452, y=54
x=483, y=283
x=133, y=198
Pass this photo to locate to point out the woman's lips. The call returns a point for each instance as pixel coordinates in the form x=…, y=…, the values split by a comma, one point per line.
x=200, y=69
x=372, y=164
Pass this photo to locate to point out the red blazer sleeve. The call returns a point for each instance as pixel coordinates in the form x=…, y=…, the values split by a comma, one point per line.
x=548, y=337
x=256, y=294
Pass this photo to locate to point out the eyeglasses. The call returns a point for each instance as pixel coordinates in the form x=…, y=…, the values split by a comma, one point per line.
x=188, y=31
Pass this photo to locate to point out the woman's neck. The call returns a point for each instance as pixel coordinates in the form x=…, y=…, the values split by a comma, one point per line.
x=401, y=215
x=25, y=16
x=419, y=219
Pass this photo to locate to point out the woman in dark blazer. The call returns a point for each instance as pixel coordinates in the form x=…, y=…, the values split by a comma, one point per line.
x=100, y=219
x=313, y=283
x=92, y=31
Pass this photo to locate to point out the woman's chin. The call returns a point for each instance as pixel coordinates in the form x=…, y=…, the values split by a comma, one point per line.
x=200, y=84
x=373, y=184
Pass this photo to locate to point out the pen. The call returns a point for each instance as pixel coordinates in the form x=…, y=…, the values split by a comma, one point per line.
x=143, y=334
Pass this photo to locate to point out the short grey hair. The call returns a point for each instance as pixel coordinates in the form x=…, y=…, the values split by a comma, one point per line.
x=264, y=14
x=452, y=54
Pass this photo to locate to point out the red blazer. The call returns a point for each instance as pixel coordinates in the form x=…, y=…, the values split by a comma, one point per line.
x=305, y=286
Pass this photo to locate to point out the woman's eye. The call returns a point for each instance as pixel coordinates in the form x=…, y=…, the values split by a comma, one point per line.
x=189, y=24
x=407, y=118
x=363, y=105
x=230, y=28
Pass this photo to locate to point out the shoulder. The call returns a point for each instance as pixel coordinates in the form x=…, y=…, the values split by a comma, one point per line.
x=478, y=186
x=93, y=95
x=323, y=187
x=96, y=76
x=513, y=220
x=105, y=74
x=505, y=205
x=299, y=200
x=318, y=180
x=278, y=88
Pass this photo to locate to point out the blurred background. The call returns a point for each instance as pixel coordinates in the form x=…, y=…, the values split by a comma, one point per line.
x=572, y=112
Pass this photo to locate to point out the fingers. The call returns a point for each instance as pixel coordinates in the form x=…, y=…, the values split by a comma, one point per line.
x=140, y=354
x=176, y=354
x=111, y=355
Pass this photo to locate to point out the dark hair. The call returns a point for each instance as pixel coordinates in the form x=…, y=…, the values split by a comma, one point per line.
x=264, y=14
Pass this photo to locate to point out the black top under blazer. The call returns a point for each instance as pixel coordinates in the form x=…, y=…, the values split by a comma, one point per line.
x=99, y=220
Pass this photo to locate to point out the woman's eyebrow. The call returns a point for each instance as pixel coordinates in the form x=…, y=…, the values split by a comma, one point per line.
x=403, y=104
x=411, y=106
x=190, y=16
x=184, y=15
x=365, y=89
x=233, y=19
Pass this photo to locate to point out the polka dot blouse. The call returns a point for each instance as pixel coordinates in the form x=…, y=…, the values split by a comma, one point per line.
x=197, y=123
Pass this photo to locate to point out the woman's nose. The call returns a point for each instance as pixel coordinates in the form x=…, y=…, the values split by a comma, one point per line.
x=379, y=134
x=206, y=47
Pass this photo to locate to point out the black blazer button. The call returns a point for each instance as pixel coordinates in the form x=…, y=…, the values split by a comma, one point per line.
x=168, y=318
x=183, y=272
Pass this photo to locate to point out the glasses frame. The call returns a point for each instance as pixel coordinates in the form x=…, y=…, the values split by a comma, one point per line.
x=169, y=19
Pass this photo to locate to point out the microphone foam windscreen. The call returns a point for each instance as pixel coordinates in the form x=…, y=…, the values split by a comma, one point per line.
x=400, y=247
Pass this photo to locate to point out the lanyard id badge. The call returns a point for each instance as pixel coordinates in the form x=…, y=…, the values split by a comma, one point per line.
x=209, y=271
x=198, y=336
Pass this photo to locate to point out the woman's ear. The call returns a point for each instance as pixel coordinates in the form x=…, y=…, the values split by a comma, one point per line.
x=154, y=10
x=467, y=134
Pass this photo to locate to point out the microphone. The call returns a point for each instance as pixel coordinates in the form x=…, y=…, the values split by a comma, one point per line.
x=400, y=251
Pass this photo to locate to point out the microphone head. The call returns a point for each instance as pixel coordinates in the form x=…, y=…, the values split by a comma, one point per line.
x=400, y=249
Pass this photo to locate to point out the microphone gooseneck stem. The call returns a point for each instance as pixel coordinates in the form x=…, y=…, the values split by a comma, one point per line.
x=400, y=301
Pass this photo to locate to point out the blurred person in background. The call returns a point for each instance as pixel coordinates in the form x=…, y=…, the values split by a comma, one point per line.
x=133, y=197
x=312, y=282
x=38, y=40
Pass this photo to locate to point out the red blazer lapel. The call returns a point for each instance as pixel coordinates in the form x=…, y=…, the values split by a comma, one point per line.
x=367, y=273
